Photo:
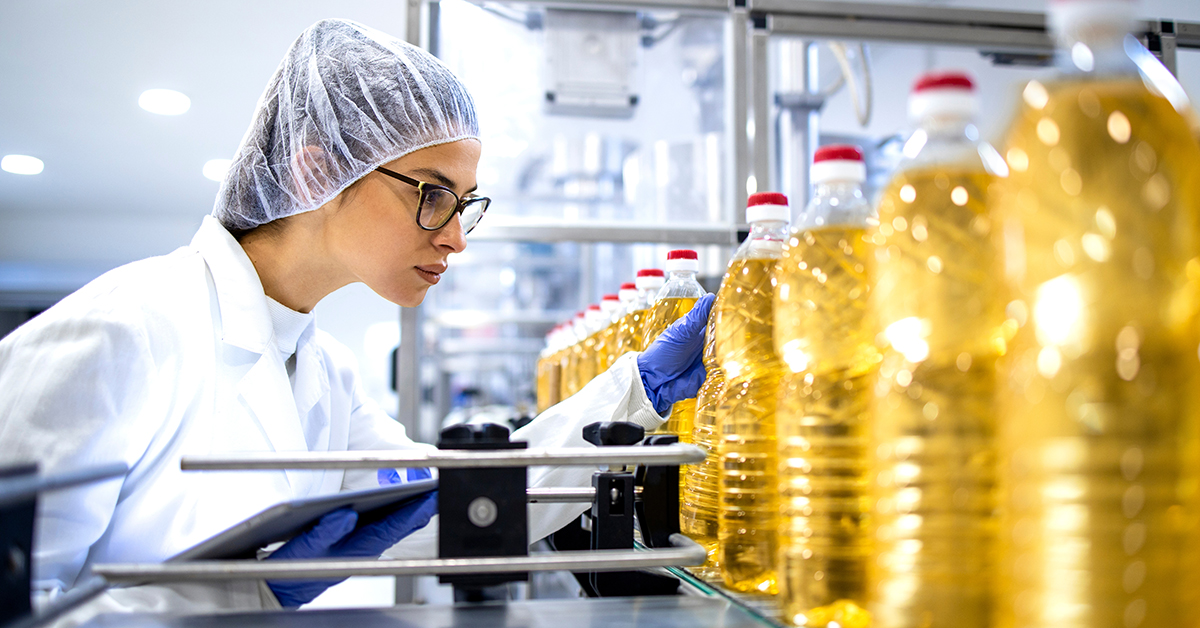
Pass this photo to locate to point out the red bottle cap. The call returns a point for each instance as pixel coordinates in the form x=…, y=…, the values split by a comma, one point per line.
x=610, y=297
x=650, y=272
x=838, y=152
x=767, y=198
x=682, y=254
x=629, y=286
x=944, y=80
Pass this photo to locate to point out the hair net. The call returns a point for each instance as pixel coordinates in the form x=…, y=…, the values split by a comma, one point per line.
x=345, y=99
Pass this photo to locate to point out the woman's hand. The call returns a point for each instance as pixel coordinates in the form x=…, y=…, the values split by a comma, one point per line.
x=671, y=367
x=335, y=536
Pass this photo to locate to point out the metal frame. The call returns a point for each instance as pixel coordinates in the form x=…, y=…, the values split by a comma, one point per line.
x=606, y=232
x=447, y=458
x=684, y=551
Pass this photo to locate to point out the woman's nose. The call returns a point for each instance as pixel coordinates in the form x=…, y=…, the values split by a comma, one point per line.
x=451, y=235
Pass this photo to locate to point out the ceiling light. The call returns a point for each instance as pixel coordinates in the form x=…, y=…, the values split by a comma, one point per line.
x=165, y=102
x=215, y=169
x=21, y=164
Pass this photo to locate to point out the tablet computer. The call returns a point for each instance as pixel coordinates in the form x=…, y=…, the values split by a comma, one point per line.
x=285, y=520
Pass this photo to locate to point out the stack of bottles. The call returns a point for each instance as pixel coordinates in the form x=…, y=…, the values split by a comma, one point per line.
x=578, y=350
x=977, y=404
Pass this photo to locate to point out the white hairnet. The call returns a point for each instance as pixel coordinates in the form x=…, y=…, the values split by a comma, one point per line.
x=346, y=99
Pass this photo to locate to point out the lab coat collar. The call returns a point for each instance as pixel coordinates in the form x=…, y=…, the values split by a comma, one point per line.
x=245, y=319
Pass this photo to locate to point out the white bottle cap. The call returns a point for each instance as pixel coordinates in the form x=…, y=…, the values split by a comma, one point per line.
x=767, y=206
x=1090, y=20
x=682, y=260
x=628, y=292
x=838, y=162
x=610, y=304
x=650, y=279
x=943, y=94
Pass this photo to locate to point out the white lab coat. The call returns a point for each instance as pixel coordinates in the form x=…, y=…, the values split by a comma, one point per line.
x=175, y=355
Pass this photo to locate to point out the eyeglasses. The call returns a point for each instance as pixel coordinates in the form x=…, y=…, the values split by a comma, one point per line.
x=438, y=204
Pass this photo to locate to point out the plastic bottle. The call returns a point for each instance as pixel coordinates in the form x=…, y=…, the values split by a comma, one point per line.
x=1097, y=225
x=675, y=299
x=937, y=303
x=698, y=498
x=610, y=306
x=593, y=326
x=748, y=513
x=549, y=371
x=824, y=340
x=629, y=333
x=627, y=297
x=575, y=333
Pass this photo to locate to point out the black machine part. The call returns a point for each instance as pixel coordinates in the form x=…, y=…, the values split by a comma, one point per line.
x=483, y=511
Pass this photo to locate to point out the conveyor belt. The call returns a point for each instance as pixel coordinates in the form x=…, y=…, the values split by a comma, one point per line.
x=643, y=612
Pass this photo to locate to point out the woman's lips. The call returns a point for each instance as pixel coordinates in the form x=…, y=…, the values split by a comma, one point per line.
x=432, y=274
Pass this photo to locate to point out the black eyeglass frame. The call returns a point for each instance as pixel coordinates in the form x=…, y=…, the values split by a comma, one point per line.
x=424, y=187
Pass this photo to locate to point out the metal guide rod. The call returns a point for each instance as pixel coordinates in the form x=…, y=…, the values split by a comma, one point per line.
x=566, y=495
x=446, y=458
x=24, y=487
x=684, y=552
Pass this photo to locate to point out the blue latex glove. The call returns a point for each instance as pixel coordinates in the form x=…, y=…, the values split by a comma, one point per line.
x=388, y=477
x=335, y=536
x=671, y=367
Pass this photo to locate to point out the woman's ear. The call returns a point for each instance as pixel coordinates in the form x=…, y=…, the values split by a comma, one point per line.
x=311, y=173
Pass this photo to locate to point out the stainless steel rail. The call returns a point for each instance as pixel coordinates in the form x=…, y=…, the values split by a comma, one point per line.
x=447, y=458
x=567, y=495
x=21, y=488
x=684, y=552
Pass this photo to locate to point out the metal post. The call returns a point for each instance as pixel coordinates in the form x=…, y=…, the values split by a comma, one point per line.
x=738, y=90
x=408, y=374
x=761, y=104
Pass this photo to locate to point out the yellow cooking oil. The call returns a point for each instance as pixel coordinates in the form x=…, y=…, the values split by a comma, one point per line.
x=748, y=505
x=629, y=332
x=937, y=303
x=606, y=347
x=664, y=312
x=1098, y=415
x=587, y=360
x=823, y=421
x=544, y=365
x=698, y=499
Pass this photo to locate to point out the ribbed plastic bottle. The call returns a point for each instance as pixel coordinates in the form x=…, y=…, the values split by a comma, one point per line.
x=549, y=371
x=610, y=305
x=698, y=498
x=627, y=299
x=937, y=303
x=748, y=512
x=675, y=299
x=633, y=324
x=824, y=340
x=593, y=326
x=576, y=334
x=1097, y=225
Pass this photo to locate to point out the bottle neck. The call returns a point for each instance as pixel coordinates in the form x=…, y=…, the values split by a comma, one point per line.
x=948, y=127
x=774, y=230
x=681, y=275
x=835, y=203
x=1096, y=56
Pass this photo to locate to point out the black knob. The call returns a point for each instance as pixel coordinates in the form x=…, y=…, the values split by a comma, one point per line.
x=602, y=434
x=463, y=434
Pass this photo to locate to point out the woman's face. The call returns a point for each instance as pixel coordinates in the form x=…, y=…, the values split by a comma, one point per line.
x=374, y=232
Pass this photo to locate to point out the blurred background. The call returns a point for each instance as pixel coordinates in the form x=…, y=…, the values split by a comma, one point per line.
x=610, y=136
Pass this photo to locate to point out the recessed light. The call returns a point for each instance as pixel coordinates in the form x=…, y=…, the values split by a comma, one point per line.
x=164, y=102
x=215, y=169
x=21, y=164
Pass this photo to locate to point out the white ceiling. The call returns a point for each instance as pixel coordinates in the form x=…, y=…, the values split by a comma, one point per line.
x=121, y=183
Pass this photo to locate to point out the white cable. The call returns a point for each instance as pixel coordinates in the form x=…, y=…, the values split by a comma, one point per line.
x=862, y=106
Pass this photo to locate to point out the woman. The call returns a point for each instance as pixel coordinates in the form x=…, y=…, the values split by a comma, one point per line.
x=359, y=167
